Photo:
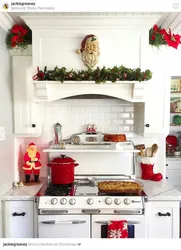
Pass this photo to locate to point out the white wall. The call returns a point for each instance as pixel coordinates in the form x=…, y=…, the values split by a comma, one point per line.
x=7, y=146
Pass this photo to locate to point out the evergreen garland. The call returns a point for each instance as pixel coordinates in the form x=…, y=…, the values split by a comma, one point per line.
x=99, y=75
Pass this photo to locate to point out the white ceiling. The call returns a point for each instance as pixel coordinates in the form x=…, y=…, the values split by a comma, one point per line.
x=170, y=20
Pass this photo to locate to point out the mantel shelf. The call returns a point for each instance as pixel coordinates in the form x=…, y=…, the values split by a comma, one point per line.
x=46, y=91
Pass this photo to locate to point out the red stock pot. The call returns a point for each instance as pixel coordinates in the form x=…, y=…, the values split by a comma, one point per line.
x=62, y=170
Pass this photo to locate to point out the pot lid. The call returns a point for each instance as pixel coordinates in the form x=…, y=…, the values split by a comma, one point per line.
x=62, y=159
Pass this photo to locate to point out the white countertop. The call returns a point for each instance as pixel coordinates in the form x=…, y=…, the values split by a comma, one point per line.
x=160, y=191
x=156, y=191
x=23, y=193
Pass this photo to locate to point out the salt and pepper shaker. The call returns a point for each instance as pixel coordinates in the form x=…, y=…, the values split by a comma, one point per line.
x=58, y=141
x=91, y=129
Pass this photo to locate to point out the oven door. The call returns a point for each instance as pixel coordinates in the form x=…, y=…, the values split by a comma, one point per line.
x=136, y=225
x=64, y=226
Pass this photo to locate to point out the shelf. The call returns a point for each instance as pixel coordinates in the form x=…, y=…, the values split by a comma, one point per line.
x=132, y=91
x=112, y=148
x=174, y=158
x=50, y=150
x=175, y=128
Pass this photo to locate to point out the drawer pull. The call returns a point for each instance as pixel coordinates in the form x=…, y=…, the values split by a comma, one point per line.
x=18, y=214
x=166, y=214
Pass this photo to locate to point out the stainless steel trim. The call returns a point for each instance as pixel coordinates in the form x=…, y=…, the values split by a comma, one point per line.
x=130, y=222
x=52, y=212
x=50, y=222
x=91, y=211
x=128, y=212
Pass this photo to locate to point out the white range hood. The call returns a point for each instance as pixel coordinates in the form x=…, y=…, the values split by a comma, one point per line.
x=52, y=90
x=124, y=40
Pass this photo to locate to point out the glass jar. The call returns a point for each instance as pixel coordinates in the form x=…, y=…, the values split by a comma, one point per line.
x=170, y=150
x=177, y=151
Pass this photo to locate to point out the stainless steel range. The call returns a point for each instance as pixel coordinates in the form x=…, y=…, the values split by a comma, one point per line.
x=87, y=210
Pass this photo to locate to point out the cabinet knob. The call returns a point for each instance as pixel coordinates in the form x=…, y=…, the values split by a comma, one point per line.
x=166, y=214
x=33, y=125
x=166, y=165
x=18, y=214
x=166, y=178
x=147, y=125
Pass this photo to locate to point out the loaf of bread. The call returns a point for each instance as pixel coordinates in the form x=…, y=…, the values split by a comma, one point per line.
x=115, y=137
x=119, y=187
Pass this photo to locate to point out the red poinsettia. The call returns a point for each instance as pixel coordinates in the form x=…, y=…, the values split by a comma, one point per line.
x=19, y=36
x=19, y=30
x=159, y=36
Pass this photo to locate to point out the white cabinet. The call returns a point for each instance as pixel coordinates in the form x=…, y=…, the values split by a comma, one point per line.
x=27, y=114
x=173, y=172
x=18, y=219
x=163, y=219
x=152, y=117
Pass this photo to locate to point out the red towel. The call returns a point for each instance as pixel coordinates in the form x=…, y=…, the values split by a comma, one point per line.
x=117, y=229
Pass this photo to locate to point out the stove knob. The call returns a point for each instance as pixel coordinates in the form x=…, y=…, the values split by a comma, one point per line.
x=90, y=201
x=54, y=201
x=126, y=201
x=117, y=201
x=72, y=201
x=108, y=201
x=63, y=201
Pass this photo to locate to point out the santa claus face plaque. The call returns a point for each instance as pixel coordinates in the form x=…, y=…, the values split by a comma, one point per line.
x=89, y=50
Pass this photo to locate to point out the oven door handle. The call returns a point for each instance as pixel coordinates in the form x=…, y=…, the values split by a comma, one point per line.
x=130, y=222
x=91, y=211
x=127, y=212
x=50, y=222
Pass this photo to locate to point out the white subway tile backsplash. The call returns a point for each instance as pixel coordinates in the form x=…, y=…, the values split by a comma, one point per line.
x=109, y=115
x=91, y=109
x=104, y=109
x=117, y=122
x=129, y=122
x=124, y=115
x=123, y=129
x=117, y=109
x=98, y=115
x=129, y=108
x=77, y=109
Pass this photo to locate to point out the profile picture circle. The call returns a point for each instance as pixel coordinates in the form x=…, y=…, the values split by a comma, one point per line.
x=5, y=6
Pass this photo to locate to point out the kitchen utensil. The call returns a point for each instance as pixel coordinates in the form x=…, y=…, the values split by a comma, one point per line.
x=148, y=152
x=154, y=149
x=62, y=170
x=142, y=153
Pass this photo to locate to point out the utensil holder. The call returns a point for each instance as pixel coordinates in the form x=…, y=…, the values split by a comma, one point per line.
x=147, y=171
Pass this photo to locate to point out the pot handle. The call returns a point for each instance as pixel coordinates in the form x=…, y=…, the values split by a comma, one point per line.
x=76, y=164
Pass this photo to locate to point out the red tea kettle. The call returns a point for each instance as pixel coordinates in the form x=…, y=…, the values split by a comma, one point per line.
x=62, y=170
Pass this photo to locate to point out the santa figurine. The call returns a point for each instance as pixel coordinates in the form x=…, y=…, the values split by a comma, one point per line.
x=32, y=164
x=89, y=50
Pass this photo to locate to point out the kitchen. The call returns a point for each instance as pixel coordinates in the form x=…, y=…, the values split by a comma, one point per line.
x=123, y=108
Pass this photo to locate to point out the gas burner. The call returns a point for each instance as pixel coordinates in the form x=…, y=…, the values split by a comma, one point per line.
x=59, y=190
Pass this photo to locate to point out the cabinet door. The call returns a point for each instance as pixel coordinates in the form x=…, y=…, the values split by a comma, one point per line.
x=26, y=112
x=152, y=117
x=18, y=219
x=163, y=220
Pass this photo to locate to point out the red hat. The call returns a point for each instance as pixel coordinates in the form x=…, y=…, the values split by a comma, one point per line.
x=84, y=42
x=32, y=144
